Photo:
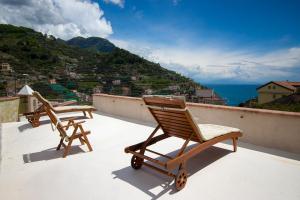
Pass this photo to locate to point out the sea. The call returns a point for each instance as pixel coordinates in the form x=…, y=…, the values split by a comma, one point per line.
x=234, y=94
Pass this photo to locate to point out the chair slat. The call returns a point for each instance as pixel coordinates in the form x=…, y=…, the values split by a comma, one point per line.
x=171, y=111
x=168, y=113
x=183, y=125
x=173, y=117
x=182, y=117
x=167, y=120
x=172, y=103
x=176, y=131
x=166, y=126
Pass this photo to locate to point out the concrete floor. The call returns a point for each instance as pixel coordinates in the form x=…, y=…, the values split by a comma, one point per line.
x=31, y=168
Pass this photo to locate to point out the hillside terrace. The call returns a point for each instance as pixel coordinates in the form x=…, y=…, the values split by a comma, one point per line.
x=265, y=166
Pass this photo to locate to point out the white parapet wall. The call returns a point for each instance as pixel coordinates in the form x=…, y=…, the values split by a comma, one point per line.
x=271, y=129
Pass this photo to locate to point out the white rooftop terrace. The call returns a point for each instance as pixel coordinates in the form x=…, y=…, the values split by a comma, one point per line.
x=31, y=168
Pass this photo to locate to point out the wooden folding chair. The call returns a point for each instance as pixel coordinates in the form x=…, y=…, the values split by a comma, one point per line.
x=174, y=119
x=66, y=107
x=77, y=133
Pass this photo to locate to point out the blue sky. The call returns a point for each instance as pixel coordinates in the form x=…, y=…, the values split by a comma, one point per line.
x=212, y=41
x=235, y=22
x=224, y=41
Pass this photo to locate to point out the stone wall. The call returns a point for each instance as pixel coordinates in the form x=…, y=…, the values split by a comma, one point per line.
x=9, y=109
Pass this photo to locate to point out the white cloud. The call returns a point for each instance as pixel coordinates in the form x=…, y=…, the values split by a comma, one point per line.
x=64, y=19
x=175, y=2
x=117, y=2
x=209, y=64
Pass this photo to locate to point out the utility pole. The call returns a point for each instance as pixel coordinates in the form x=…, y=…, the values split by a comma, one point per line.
x=25, y=75
x=15, y=84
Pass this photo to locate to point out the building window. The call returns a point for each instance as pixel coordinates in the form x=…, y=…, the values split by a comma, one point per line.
x=34, y=104
x=269, y=87
x=274, y=96
x=274, y=87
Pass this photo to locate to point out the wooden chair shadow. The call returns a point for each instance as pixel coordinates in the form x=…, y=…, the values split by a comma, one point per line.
x=49, y=154
x=147, y=179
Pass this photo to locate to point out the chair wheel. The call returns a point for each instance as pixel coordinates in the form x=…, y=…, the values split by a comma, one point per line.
x=136, y=162
x=181, y=179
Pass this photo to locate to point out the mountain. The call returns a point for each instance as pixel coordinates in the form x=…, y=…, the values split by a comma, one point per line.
x=87, y=66
x=92, y=43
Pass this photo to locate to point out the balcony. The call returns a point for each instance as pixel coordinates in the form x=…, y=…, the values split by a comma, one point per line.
x=266, y=165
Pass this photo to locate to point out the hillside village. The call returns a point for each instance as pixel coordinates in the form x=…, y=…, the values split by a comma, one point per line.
x=77, y=68
x=11, y=84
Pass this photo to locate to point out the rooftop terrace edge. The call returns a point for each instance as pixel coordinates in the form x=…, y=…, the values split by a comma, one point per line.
x=271, y=129
x=230, y=108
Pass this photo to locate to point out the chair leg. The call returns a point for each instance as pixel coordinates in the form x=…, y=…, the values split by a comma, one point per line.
x=182, y=166
x=67, y=148
x=90, y=114
x=81, y=141
x=234, y=143
x=59, y=145
x=84, y=113
x=87, y=142
x=35, y=121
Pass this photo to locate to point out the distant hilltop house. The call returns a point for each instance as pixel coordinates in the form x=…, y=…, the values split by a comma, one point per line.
x=148, y=91
x=69, y=67
x=72, y=74
x=173, y=87
x=133, y=78
x=5, y=67
x=97, y=89
x=116, y=82
x=204, y=93
x=206, y=96
x=52, y=81
x=276, y=89
x=126, y=91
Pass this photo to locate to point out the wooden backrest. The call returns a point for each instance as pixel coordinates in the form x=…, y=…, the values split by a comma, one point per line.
x=172, y=115
x=55, y=121
x=41, y=99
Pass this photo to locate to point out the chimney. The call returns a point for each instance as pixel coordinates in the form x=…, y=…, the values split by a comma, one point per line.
x=28, y=103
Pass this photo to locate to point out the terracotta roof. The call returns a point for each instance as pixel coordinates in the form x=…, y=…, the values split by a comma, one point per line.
x=286, y=84
x=296, y=84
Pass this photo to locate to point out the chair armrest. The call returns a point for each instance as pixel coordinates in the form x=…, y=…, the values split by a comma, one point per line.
x=80, y=122
x=68, y=119
x=72, y=123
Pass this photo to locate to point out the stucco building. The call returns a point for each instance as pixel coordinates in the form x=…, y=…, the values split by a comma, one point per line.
x=276, y=89
x=5, y=67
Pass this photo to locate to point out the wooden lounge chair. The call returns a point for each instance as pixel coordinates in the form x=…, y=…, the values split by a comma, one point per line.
x=69, y=132
x=174, y=119
x=34, y=117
